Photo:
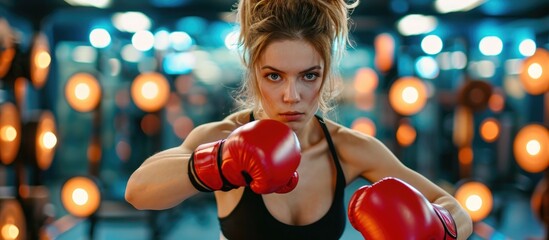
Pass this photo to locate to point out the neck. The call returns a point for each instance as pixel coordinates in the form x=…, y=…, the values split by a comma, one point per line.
x=309, y=134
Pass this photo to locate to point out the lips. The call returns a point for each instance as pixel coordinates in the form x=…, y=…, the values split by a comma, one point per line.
x=291, y=116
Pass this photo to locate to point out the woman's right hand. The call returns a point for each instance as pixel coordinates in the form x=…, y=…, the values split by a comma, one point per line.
x=262, y=154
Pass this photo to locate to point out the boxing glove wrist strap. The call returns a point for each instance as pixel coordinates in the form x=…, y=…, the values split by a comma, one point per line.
x=204, y=168
x=448, y=222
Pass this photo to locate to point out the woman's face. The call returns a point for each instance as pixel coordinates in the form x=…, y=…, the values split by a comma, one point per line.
x=289, y=75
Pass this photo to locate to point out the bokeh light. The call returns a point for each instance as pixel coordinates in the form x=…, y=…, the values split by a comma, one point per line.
x=490, y=45
x=10, y=132
x=231, y=40
x=150, y=124
x=143, y=40
x=427, y=67
x=180, y=41
x=384, y=45
x=415, y=24
x=365, y=81
x=131, y=21
x=12, y=220
x=431, y=44
x=465, y=155
x=531, y=148
x=83, y=92
x=538, y=198
x=182, y=126
x=408, y=95
x=405, y=134
x=475, y=94
x=463, y=127
x=527, y=47
x=364, y=125
x=496, y=103
x=80, y=196
x=46, y=140
x=476, y=198
x=489, y=129
x=40, y=60
x=6, y=59
x=534, y=74
x=95, y=151
x=150, y=91
x=100, y=38
x=123, y=150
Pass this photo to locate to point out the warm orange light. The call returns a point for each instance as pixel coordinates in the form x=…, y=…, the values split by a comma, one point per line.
x=40, y=60
x=6, y=58
x=364, y=125
x=12, y=220
x=537, y=200
x=80, y=196
x=20, y=90
x=534, y=74
x=405, y=134
x=7, y=50
x=83, y=92
x=150, y=124
x=476, y=198
x=94, y=151
x=462, y=133
x=489, y=129
x=10, y=132
x=475, y=94
x=365, y=101
x=531, y=148
x=384, y=45
x=123, y=150
x=43, y=59
x=465, y=155
x=46, y=140
x=150, y=91
x=184, y=83
x=496, y=103
x=365, y=81
x=408, y=95
x=182, y=126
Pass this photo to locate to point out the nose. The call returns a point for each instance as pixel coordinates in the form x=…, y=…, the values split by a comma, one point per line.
x=291, y=92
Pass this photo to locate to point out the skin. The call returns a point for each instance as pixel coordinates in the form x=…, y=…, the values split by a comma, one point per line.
x=289, y=83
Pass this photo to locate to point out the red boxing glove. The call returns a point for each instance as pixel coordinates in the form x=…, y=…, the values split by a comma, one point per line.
x=392, y=209
x=262, y=154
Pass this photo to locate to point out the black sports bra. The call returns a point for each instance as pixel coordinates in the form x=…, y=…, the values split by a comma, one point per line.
x=251, y=219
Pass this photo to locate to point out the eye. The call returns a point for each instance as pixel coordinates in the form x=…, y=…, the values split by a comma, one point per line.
x=273, y=76
x=310, y=76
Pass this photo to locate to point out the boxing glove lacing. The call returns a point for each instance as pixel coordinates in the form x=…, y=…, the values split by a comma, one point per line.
x=199, y=184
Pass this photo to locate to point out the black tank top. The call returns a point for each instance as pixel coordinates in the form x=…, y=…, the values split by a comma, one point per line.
x=251, y=219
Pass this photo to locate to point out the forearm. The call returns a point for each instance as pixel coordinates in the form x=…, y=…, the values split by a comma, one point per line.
x=461, y=217
x=161, y=182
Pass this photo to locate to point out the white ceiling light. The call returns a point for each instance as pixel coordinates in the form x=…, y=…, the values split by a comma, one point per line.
x=415, y=24
x=90, y=3
x=446, y=6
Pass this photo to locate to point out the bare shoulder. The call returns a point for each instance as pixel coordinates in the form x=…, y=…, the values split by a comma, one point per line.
x=213, y=131
x=347, y=137
x=358, y=152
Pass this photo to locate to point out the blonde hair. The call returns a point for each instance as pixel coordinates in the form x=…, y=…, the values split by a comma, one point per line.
x=321, y=23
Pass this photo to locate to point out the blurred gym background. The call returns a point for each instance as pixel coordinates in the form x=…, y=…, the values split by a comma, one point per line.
x=459, y=90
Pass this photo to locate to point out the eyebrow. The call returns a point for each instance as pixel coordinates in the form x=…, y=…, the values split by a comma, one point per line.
x=317, y=67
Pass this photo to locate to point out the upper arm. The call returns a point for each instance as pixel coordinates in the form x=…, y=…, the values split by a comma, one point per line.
x=201, y=134
x=214, y=131
x=367, y=157
x=152, y=185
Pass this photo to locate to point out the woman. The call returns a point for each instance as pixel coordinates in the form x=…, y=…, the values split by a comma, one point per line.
x=290, y=50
